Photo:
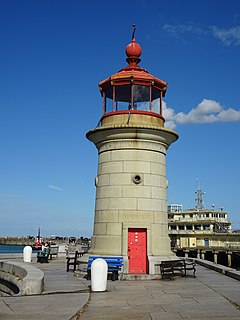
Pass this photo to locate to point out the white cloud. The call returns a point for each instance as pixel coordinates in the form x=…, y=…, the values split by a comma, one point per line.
x=169, y=115
x=55, y=188
x=176, y=30
x=207, y=111
x=229, y=115
x=227, y=36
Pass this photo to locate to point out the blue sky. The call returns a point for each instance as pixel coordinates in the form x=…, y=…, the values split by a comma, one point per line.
x=52, y=56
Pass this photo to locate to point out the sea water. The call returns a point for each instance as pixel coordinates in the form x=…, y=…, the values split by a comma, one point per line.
x=4, y=248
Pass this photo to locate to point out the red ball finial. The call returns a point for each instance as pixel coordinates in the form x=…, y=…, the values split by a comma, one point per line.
x=133, y=50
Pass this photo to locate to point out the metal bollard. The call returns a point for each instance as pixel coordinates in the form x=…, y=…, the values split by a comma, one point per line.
x=99, y=270
x=27, y=254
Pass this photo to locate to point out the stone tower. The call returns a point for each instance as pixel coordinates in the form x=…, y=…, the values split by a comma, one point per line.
x=131, y=202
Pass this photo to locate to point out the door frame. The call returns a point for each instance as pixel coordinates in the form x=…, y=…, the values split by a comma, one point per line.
x=136, y=229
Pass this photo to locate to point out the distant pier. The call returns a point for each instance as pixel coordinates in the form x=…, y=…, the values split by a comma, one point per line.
x=25, y=241
x=227, y=256
x=16, y=240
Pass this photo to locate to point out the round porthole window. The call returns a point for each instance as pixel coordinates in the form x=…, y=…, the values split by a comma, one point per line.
x=96, y=181
x=137, y=179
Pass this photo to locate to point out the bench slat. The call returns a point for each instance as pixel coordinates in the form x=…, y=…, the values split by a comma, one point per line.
x=72, y=260
x=171, y=268
x=114, y=265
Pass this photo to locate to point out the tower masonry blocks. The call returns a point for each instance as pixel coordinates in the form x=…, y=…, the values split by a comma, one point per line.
x=131, y=199
x=131, y=189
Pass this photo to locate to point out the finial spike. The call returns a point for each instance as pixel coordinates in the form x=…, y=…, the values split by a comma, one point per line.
x=134, y=29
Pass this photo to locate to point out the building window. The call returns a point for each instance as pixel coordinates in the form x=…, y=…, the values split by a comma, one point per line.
x=174, y=208
x=206, y=227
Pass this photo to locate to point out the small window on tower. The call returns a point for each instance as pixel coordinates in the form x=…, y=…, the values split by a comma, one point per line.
x=137, y=179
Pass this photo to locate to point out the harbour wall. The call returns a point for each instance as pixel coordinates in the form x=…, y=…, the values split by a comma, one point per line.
x=16, y=241
x=25, y=241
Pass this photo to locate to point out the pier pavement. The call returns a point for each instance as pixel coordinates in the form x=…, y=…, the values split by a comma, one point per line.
x=209, y=296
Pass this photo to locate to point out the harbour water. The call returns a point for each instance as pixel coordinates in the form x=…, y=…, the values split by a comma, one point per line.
x=4, y=248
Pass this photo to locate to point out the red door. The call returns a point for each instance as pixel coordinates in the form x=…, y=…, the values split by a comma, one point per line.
x=137, y=251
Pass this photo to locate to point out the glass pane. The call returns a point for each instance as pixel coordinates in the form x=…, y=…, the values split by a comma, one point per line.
x=144, y=106
x=108, y=105
x=141, y=97
x=155, y=93
x=122, y=97
x=121, y=105
x=141, y=93
x=123, y=93
x=109, y=94
x=156, y=105
x=155, y=100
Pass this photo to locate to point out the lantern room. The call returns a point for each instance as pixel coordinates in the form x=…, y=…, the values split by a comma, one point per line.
x=133, y=90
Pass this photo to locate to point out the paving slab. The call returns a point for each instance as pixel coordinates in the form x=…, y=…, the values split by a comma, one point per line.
x=66, y=297
x=63, y=297
x=209, y=296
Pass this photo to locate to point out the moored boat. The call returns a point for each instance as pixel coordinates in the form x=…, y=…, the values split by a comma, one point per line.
x=38, y=242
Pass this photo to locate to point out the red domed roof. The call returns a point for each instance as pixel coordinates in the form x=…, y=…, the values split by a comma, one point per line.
x=133, y=72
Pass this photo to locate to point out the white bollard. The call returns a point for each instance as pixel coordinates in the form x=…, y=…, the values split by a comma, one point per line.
x=27, y=254
x=99, y=270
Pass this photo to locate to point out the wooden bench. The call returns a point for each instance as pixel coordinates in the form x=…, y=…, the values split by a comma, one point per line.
x=114, y=266
x=72, y=260
x=171, y=268
x=53, y=252
x=42, y=256
x=190, y=265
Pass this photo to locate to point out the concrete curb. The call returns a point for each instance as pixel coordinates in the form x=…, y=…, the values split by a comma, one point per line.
x=230, y=272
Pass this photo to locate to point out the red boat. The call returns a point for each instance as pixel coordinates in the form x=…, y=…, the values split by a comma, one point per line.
x=38, y=242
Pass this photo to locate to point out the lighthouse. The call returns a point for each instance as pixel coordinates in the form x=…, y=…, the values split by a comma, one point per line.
x=131, y=187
